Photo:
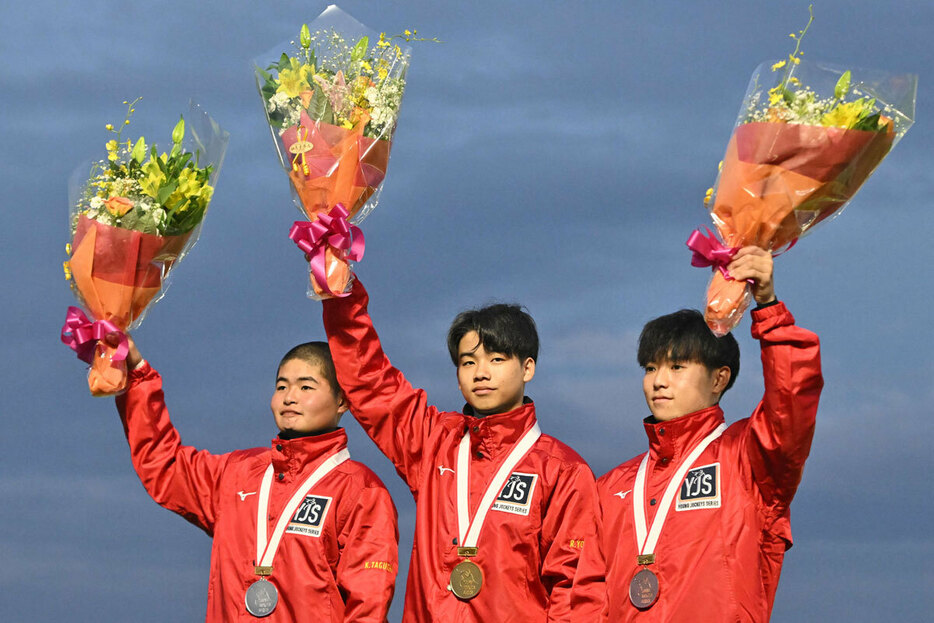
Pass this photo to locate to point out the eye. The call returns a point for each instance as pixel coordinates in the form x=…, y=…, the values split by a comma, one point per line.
x=279, y=388
x=649, y=368
x=466, y=363
x=306, y=387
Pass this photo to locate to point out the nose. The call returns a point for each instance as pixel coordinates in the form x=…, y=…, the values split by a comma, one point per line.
x=481, y=371
x=660, y=378
x=289, y=397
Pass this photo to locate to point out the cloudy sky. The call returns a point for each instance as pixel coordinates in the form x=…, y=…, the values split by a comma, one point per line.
x=548, y=153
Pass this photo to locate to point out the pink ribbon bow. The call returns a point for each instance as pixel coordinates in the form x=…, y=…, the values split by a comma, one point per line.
x=708, y=251
x=81, y=335
x=331, y=229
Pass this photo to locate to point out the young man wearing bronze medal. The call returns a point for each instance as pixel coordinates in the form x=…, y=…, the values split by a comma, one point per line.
x=507, y=519
x=696, y=528
x=300, y=532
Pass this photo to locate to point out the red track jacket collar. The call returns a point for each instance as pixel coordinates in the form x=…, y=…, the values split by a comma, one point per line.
x=292, y=456
x=494, y=435
x=671, y=441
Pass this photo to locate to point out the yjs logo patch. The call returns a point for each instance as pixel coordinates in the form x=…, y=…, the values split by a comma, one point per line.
x=700, y=489
x=516, y=495
x=310, y=515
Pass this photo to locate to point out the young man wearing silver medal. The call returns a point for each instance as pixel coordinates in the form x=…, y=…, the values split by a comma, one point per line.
x=696, y=528
x=300, y=532
x=507, y=518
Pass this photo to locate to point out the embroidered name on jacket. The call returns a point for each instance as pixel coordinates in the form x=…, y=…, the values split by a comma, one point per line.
x=516, y=495
x=700, y=489
x=310, y=515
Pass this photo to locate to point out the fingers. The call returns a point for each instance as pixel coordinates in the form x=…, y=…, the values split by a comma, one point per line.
x=133, y=357
x=755, y=264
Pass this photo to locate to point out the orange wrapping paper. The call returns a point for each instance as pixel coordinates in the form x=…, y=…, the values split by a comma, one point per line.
x=778, y=180
x=332, y=165
x=118, y=272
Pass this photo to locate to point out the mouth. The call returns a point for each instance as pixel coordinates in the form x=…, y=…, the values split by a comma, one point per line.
x=483, y=390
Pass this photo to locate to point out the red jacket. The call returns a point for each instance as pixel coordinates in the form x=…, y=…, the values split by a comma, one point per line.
x=720, y=554
x=541, y=560
x=344, y=573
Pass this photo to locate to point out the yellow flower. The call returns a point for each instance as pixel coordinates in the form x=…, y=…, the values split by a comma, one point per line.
x=109, y=127
x=153, y=177
x=366, y=67
x=66, y=266
x=844, y=115
x=778, y=65
x=68, y=248
x=297, y=78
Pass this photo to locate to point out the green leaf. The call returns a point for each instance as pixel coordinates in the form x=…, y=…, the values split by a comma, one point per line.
x=284, y=62
x=788, y=95
x=359, y=50
x=166, y=191
x=139, y=151
x=318, y=105
x=843, y=86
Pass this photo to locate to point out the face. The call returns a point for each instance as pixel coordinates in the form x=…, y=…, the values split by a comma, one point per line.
x=304, y=401
x=491, y=382
x=673, y=389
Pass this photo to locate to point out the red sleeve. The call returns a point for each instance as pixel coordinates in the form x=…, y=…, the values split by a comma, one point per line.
x=179, y=478
x=366, y=573
x=573, y=567
x=778, y=438
x=394, y=414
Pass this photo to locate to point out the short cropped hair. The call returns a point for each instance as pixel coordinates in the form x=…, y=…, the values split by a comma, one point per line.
x=685, y=336
x=502, y=328
x=315, y=354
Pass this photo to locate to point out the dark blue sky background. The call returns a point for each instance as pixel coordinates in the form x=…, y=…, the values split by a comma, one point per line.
x=549, y=153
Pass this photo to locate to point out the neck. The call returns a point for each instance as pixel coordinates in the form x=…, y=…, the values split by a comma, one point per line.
x=294, y=434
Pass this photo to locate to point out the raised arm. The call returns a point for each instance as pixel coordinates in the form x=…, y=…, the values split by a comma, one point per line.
x=366, y=573
x=782, y=426
x=394, y=414
x=179, y=478
x=573, y=566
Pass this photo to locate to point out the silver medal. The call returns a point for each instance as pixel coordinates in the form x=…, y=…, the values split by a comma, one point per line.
x=261, y=598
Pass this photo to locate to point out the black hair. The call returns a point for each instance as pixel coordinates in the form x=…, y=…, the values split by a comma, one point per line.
x=502, y=328
x=316, y=354
x=685, y=336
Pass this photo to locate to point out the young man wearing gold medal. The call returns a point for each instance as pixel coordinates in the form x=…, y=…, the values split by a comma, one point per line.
x=300, y=532
x=696, y=528
x=507, y=519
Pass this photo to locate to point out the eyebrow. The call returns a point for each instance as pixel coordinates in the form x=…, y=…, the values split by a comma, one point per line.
x=282, y=379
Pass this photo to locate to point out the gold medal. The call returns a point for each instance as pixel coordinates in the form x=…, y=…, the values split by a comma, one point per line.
x=466, y=580
x=643, y=589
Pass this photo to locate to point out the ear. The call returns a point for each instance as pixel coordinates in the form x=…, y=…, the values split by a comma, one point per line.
x=528, y=369
x=342, y=404
x=721, y=378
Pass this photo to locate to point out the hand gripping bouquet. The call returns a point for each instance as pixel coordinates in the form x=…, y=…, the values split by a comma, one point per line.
x=133, y=217
x=807, y=137
x=331, y=103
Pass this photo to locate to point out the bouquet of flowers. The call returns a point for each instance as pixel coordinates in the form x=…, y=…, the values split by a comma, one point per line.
x=332, y=105
x=133, y=217
x=807, y=137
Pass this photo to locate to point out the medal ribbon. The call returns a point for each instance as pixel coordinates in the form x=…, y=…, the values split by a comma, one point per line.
x=469, y=531
x=646, y=543
x=265, y=552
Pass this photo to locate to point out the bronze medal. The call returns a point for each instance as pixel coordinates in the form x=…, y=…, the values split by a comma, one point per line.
x=643, y=589
x=466, y=580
